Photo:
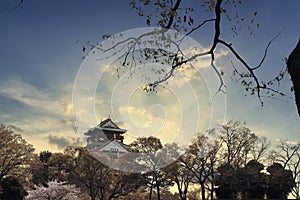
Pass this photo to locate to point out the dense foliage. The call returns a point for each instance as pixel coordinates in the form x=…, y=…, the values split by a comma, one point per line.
x=228, y=162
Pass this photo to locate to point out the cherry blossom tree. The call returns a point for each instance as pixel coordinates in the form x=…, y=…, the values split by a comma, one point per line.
x=55, y=190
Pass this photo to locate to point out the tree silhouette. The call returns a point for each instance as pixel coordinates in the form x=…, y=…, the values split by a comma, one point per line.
x=226, y=182
x=181, y=175
x=252, y=180
x=150, y=159
x=293, y=65
x=201, y=160
x=239, y=143
x=288, y=155
x=177, y=171
x=97, y=179
x=12, y=189
x=15, y=154
x=280, y=182
x=40, y=168
x=249, y=182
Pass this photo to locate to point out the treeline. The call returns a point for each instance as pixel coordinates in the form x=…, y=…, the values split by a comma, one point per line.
x=228, y=162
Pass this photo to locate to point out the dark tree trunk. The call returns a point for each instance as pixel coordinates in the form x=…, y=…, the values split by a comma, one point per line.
x=150, y=193
x=202, y=190
x=293, y=65
x=212, y=181
x=158, y=191
x=212, y=190
x=92, y=194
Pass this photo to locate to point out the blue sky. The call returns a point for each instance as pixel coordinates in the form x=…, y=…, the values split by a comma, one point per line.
x=40, y=54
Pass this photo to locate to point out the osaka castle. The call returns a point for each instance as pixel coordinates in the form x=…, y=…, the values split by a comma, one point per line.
x=106, y=137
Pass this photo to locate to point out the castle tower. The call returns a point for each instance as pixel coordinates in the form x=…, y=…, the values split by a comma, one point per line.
x=106, y=137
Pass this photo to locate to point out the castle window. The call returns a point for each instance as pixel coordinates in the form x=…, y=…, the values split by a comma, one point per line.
x=114, y=149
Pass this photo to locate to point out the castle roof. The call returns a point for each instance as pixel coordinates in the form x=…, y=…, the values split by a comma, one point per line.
x=107, y=125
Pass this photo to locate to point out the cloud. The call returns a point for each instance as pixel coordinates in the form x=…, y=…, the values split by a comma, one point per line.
x=120, y=123
x=291, y=142
x=60, y=142
x=67, y=107
x=16, y=128
x=5, y=116
x=28, y=94
x=46, y=119
x=67, y=121
x=263, y=132
x=205, y=61
x=41, y=124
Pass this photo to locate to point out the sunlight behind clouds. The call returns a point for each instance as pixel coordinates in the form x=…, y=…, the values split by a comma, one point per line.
x=112, y=83
x=163, y=113
x=46, y=113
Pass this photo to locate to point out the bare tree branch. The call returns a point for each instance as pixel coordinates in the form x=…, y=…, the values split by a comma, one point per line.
x=169, y=16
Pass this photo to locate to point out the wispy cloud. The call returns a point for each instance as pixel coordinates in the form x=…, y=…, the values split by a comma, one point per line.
x=28, y=94
x=48, y=122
